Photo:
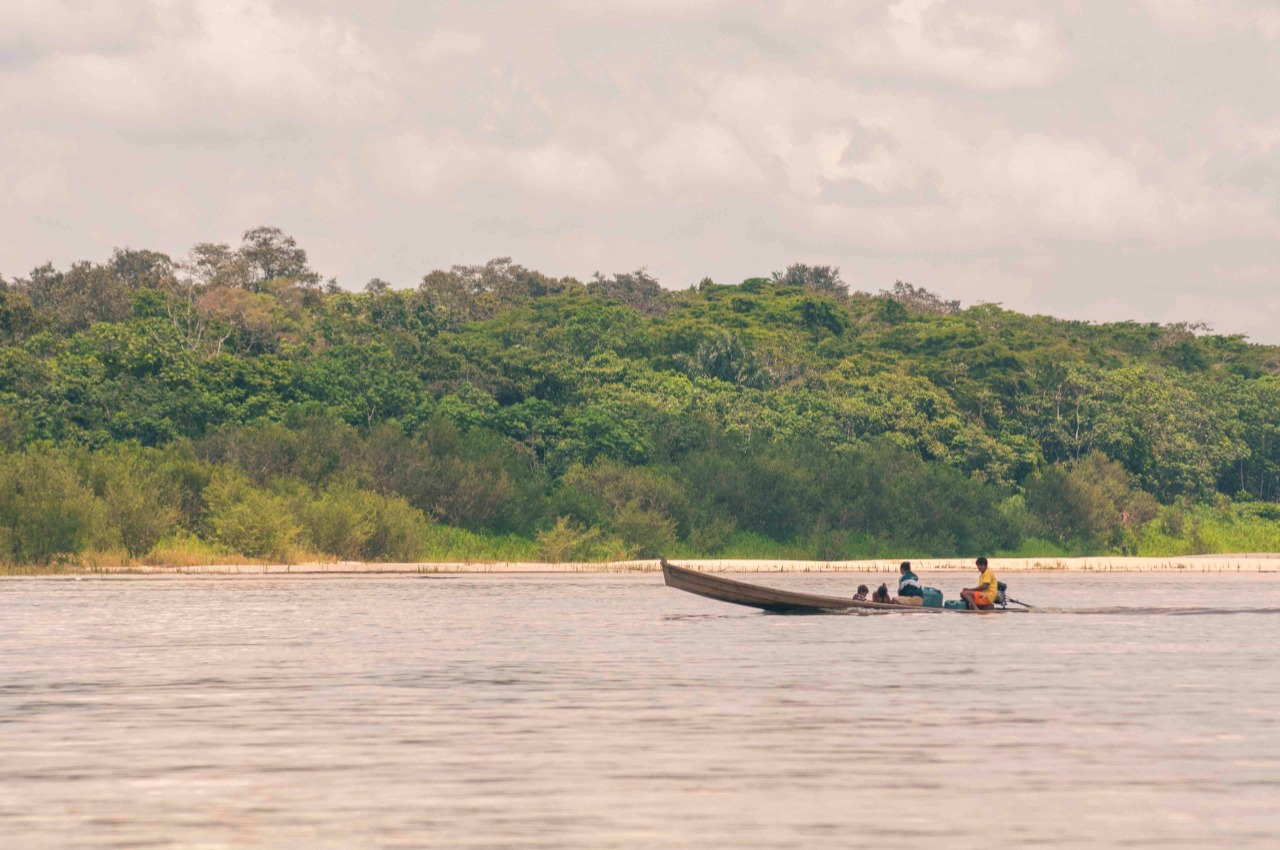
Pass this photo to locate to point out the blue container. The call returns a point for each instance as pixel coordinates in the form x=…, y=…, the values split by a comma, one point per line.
x=955, y=605
x=932, y=597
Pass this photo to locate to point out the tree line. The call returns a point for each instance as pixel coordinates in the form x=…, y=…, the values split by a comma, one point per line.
x=235, y=402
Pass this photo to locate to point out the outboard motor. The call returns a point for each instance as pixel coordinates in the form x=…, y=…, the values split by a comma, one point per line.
x=1001, y=587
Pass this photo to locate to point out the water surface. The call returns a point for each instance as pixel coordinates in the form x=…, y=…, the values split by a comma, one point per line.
x=608, y=711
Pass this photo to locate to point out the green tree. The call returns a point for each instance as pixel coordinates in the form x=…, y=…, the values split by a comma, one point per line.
x=46, y=511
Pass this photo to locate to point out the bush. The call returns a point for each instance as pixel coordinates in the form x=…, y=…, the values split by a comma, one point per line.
x=138, y=500
x=644, y=507
x=472, y=480
x=46, y=511
x=250, y=521
x=1094, y=501
x=644, y=533
x=356, y=524
x=338, y=523
x=567, y=542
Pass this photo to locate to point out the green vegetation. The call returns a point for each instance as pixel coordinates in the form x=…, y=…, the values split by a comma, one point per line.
x=233, y=405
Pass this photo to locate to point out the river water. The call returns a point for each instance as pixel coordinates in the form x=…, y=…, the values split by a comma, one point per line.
x=607, y=711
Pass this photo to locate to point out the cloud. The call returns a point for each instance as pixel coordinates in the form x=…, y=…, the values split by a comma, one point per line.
x=447, y=44
x=645, y=9
x=106, y=25
x=975, y=44
x=221, y=63
x=697, y=156
x=1205, y=18
x=34, y=171
x=417, y=165
x=1018, y=152
x=560, y=171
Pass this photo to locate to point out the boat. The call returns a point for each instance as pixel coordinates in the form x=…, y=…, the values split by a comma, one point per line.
x=779, y=601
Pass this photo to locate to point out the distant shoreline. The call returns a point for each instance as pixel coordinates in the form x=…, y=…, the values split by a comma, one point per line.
x=1236, y=563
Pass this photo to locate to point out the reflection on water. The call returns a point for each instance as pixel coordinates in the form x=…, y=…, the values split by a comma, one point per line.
x=608, y=711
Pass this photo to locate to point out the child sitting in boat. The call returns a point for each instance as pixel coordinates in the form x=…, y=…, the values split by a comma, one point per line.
x=881, y=595
x=861, y=595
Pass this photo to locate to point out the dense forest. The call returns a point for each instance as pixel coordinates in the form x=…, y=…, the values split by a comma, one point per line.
x=235, y=404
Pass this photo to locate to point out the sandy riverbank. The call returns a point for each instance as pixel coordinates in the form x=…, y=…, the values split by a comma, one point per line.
x=1244, y=563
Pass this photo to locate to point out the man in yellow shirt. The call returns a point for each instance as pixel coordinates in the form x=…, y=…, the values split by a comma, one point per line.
x=984, y=595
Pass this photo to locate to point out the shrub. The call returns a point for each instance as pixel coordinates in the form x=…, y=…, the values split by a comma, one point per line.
x=250, y=521
x=644, y=533
x=399, y=531
x=45, y=509
x=359, y=524
x=138, y=500
x=338, y=523
x=1094, y=501
x=566, y=541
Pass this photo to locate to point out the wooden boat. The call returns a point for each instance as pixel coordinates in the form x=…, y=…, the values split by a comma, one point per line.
x=785, y=601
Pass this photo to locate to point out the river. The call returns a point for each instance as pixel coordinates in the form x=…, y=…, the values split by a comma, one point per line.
x=607, y=711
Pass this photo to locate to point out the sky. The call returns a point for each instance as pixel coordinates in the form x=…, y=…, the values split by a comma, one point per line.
x=1093, y=160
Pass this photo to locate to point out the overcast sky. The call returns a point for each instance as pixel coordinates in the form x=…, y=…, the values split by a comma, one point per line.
x=1086, y=159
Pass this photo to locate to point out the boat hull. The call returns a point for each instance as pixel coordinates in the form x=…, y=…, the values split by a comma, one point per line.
x=780, y=601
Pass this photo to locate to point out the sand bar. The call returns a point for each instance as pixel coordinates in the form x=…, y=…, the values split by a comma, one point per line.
x=1241, y=563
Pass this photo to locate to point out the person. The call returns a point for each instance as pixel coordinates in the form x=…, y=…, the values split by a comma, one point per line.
x=881, y=595
x=983, y=596
x=861, y=595
x=909, y=592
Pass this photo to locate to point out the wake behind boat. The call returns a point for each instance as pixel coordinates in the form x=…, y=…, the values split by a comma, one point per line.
x=779, y=601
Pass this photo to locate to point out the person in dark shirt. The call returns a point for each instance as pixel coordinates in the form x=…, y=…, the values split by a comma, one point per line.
x=909, y=592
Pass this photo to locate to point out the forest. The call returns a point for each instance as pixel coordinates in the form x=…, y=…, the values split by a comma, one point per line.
x=234, y=404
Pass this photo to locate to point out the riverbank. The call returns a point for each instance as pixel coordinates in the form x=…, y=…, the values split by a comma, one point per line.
x=1238, y=563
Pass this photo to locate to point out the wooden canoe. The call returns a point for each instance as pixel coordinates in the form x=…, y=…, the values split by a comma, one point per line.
x=784, y=601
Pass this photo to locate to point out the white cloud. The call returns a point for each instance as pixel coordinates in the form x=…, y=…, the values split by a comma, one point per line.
x=698, y=156
x=651, y=9
x=448, y=44
x=954, y=140
x=67, y=24
x=169, y=209
x=34, y=170
x=558, y=171
x=417, y=166
x=959, y=42
x=1205, y=18
x=221, y=64
x=1238, y=134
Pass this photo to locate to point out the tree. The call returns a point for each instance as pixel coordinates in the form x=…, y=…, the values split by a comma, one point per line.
x=143, y=269
x=46, y=511
x=19, y=318
x=75, y=299
x=724, y=357
x=272, y=254
x=638, y=290
x=820, y=279
x=1094, y=501
x=920, y=300
x=214, y=264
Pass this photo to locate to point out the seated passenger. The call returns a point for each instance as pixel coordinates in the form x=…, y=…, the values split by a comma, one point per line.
x=861, y=595
x=984, y=595
x=909, y=592
x=881, y=595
